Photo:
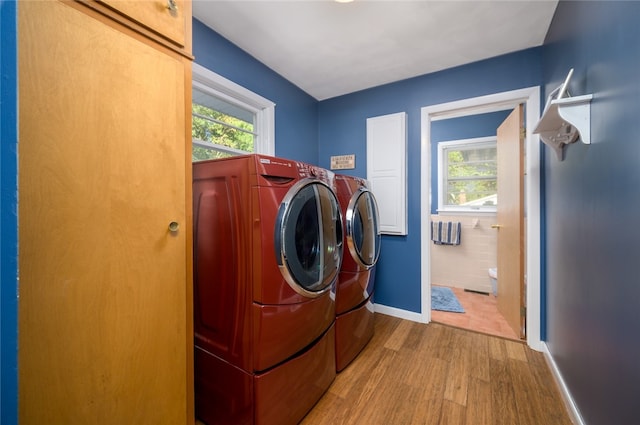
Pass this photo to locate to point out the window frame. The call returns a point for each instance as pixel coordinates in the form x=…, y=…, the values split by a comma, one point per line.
x=442, y=170
x=216, y=85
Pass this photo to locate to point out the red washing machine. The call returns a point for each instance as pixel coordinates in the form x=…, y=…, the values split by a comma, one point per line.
x=267, y=252
x=354, y=294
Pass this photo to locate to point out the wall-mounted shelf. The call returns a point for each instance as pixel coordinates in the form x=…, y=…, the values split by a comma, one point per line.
x=565, y=119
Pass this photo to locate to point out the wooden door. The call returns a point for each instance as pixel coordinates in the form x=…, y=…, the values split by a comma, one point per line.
x=511, y=221
x=103, y=311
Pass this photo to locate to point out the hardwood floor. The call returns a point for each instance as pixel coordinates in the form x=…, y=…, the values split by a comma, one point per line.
x=433, y=374
x=413, y=373
x=481, y=315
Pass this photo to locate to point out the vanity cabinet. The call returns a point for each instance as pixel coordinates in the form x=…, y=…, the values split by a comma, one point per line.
x=105, y=333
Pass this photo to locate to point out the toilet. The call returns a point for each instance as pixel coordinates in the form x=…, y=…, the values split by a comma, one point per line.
x=493, y=276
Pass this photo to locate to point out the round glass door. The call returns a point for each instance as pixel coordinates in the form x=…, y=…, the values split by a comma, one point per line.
x=363, y=237
x=308, y=238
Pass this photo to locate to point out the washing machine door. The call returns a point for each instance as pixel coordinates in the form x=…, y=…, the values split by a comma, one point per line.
x=363, y=235
x=308, y=238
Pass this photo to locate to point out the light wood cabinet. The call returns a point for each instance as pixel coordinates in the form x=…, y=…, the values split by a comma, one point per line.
x=105, y=307
x=167, y=18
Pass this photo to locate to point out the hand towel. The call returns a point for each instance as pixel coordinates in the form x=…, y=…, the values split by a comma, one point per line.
x=446, y=232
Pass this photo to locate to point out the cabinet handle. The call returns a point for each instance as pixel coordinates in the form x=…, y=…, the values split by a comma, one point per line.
x=496, y=226
x=172, y=6
x=174, y=226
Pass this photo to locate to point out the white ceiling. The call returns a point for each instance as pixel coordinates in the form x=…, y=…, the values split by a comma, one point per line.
x=329, y=49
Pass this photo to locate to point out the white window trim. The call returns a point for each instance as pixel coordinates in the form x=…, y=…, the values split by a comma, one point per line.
x=442, y=207
x=216, y=85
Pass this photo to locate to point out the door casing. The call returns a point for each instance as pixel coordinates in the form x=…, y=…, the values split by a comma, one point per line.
x=484, y=104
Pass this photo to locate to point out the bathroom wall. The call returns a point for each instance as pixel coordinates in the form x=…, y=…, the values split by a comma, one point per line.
x=466, y=265
x=467, y=127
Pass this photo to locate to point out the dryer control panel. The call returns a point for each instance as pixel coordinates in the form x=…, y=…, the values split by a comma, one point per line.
x=272, y=167
x=311, y=171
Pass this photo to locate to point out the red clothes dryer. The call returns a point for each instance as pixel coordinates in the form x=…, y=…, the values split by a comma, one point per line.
x=267, y=252
x=354, y=294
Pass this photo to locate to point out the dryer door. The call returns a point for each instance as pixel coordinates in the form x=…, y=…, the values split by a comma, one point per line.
x=308, y=238
x=363, y=235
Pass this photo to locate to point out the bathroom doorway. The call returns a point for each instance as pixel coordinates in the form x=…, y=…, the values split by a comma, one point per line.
x=482, y=105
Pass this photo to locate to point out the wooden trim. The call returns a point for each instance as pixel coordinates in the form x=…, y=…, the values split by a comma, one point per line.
x=137, y=28
x=188, y=77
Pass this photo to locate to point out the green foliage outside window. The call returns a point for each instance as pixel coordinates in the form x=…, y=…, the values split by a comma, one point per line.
x=219, y=129
x=471, y=177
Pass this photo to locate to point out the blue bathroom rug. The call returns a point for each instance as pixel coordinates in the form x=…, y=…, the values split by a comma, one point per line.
x=443, y=299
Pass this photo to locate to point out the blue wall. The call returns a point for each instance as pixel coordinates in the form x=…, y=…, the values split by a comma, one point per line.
x=296, y=111
x=342, y=130
x=8, y=216
x=592, y=240
x=592, y=205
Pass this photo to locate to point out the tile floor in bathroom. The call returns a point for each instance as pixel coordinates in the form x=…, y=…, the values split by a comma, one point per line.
x=481, y=315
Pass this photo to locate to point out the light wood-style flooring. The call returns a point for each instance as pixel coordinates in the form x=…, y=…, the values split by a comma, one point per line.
x=480, y=314
x=432, y=374
x=413, y=373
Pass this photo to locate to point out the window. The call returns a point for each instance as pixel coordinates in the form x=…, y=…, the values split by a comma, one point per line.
x=468, y=175
x=228, y=119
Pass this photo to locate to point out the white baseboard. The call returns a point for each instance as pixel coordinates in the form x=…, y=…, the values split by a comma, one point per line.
x=574, y=413
x=396, y=312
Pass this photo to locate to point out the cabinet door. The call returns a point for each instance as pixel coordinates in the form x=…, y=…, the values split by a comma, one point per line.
x=165, y=17
x=103, y=309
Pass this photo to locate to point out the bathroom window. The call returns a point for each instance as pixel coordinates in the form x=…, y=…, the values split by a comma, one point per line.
x=227, y=119
x=468, y=175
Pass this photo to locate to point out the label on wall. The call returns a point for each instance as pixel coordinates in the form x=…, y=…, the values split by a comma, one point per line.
x=343, y=162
